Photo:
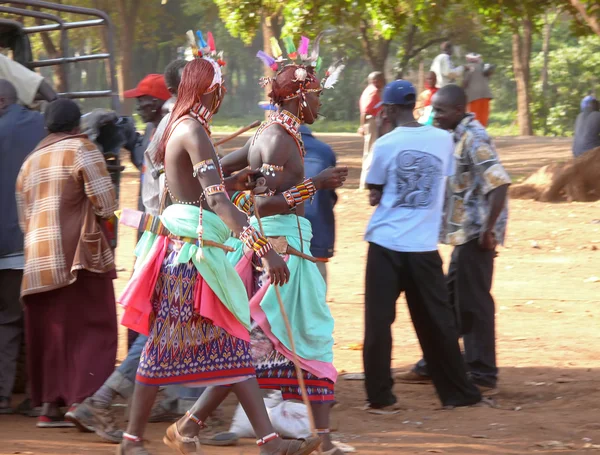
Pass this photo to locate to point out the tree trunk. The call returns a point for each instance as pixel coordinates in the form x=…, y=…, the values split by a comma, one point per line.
x=521, y=52
x=589, y=18
x=128, y=10
x=409, y=42
x=376, y=50
x=545, y=79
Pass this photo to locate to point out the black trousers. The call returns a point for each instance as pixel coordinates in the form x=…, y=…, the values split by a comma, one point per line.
x=420, y=276
x=469, y=283
x=11, y=328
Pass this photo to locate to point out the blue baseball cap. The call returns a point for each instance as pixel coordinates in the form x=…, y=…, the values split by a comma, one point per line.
x=399, y=92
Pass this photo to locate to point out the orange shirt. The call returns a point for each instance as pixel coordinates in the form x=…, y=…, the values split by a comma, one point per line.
x=369, y=99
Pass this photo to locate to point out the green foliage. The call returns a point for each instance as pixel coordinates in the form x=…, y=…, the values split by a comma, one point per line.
x=573, y=70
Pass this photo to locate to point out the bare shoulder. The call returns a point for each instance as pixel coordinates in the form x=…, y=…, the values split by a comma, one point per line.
x=274, y=146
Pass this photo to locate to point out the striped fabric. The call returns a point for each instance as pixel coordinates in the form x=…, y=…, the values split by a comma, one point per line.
x=62, y=189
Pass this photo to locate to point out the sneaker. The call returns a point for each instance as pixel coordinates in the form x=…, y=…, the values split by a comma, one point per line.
x=5, y=406
x=80, y=415
x=103, y=420
x=411, y=377
x=487, y=390
x=53, y=422
x=160, y=413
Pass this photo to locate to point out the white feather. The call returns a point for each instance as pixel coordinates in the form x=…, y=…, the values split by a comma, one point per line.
x=191, y=39
x=333, y=76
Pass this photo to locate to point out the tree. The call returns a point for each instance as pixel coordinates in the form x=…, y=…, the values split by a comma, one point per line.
x=589, y=11
x=520, y=16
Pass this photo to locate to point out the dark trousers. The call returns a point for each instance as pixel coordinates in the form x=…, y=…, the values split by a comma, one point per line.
x=420, y=276
x=469, y=283
x=11, y=328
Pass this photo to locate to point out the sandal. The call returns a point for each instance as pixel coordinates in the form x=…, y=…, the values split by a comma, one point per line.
x=183, y=444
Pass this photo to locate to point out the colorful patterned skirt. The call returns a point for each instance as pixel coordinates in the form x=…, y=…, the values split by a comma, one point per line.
x=183, y=347
x=275, y=371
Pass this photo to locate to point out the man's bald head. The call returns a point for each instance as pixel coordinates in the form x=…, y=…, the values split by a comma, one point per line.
x=8, y=94
x=377, y=79
x=450, y=106
x=447, y=47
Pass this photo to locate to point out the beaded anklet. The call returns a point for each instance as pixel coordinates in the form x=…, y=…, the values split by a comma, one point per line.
x=195, y=419
x=266, y=439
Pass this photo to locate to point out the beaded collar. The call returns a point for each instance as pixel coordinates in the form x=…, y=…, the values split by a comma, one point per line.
x=290, y=123
x=203, y=115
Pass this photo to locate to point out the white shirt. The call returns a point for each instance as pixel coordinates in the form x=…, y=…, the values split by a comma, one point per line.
x=445, y=71
x=412, y=164
x=26, y=82
x=152, y=188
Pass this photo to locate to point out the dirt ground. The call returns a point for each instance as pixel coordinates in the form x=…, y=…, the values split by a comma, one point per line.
x=547, y=294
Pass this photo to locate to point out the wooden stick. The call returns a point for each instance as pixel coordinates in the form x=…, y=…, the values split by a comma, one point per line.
x=237, y=133
x=288, y=327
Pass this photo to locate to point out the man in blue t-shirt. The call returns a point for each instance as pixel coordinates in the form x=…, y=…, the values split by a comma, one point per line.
x=319, y=211
x=407, y=182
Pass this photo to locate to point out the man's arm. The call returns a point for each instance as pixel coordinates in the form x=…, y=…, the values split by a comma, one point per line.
x=495, y=181
x=199, y=148
x=236, y=160
x=448, y=69
x=97, y=184
x=46, y=92
x=21, y=210
x=377, y=175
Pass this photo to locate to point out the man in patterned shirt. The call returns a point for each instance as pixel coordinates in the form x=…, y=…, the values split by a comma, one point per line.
x=63, y=190
x=476, y=213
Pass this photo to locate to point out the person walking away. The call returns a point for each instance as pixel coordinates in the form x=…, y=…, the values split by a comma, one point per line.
x=96, y=411
x=20, y=131
x=476, y=215
x=207, y=296
x=587, y=129
x=319, y=211
x=445, y=71
x=369, y=100
x=423, y=109
x=476, y=83
x=407, y=184
x=62, y=190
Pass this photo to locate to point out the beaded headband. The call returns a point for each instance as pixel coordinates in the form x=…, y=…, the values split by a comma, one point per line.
x=302, y=74
x=207, y=51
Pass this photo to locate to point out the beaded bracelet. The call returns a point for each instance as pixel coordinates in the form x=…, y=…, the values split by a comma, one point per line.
x=255, y=241
x=270, y=169
x=203, y=166
x=299, y=193
x=243, y=201
x=214, y=189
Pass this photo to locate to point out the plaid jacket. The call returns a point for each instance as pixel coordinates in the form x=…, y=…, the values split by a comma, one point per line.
x=62, y=189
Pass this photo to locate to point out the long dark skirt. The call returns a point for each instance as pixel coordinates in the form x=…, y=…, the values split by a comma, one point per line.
x=72, y=339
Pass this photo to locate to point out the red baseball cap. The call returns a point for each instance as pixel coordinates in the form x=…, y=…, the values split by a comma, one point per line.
x=152, y=85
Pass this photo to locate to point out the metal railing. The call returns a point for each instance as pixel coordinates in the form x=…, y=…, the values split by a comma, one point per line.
x=101, y=20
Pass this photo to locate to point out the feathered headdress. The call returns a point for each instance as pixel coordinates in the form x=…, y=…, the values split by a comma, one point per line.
x=302, y=73
x=206, y=50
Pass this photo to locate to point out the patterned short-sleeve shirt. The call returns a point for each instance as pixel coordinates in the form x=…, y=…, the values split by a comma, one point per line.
x=477, y=172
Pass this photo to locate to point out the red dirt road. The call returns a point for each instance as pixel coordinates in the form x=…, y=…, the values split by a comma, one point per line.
x=548, y=339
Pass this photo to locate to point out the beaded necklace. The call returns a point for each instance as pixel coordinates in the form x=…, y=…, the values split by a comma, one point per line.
x=202, y=115
x=290, y=123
